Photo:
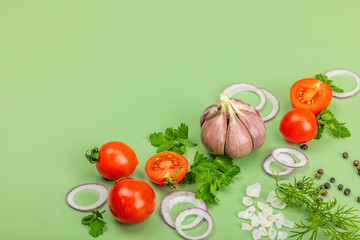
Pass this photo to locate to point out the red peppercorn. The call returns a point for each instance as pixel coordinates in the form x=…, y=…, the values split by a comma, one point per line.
x=356, y=163
x=320, y=171
x=318, y=175
x=324, y=193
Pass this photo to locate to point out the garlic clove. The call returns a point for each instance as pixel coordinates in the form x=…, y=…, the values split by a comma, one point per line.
x=213, y=132
x=238, y=140
x=253, y=123
x=240, y=105
x=255, y=126
x=209, y=113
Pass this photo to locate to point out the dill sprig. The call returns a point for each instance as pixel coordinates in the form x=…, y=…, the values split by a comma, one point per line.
x=334, y=220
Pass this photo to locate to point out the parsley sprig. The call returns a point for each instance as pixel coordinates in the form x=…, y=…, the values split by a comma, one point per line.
x=326, y=119
x=95, y=222
x=174, y=140
x=325, y=79
x=212, y=173
x=334, y=220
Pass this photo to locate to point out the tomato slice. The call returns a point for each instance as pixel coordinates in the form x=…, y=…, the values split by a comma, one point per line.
x=166, y=165
x=311, y=94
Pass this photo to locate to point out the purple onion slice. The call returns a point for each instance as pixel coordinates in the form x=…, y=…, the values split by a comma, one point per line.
x=193, y=211
x=101, y=190
x=244, y=87
x=286, y=158
x=275, y=103
x=336, y=72
x=297, y=153
x=174, y=198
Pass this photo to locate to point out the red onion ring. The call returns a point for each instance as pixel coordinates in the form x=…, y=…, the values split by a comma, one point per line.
x=336, y=72
x=275, y=103
x=174, y=198
x=101, y=190
x=244, y=87
x=193, y=211
x=286, y=158
x=299, y=154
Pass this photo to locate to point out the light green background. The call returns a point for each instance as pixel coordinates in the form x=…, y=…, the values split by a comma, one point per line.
x=78, y=73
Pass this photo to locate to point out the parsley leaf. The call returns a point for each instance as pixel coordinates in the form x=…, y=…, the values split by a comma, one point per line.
x=95, y=222
x=326, y=119
x=212, y=173
x=325, y=79
x=175, y=140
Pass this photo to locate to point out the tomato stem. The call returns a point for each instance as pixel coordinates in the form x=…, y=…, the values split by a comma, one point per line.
x=170, y=181
x=92, y=155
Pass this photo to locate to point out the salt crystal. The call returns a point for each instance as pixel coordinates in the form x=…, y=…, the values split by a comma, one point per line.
x=280, y=215
x=246, y=227
x=279, y=223
x=272, y=233
x=263, y=232
x=247, y=201
x=282, y=235
x=255, y=222
x=288, y=223
x=253, y=190
x=277, y=203
x=252, y=216
x=256, y=234
x=266, y=223
x=251, y=209
x=273, y=218
x=267, y=212
x=243, y=215
x=262, y=206
x=271, y=196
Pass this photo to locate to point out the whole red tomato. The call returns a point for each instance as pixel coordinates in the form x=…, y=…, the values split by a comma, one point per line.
x=311, y=94
x=114, y=160
x=131, y=201
x=166, y=168
x=299, y=125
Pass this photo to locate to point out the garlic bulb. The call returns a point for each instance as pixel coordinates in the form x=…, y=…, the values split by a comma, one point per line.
x=232, y=128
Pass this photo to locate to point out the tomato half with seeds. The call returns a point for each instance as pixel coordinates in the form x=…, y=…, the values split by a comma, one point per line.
x=166, y=168
x=311, y=94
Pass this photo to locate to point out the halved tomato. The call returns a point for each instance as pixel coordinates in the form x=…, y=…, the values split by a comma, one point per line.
x=311, y=94
x=166, y=168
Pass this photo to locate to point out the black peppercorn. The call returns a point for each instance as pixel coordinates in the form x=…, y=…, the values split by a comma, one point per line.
x=356, y=163
x=324, y=193
x=322, y=187
x=304, y=146
x=340, y=187
x=319, y=199
x=318, y=175
x=332, y=180
x=358, y=199
x=347, y=191
x=327, y=185
x=320, y=171
x=345, y=155
x=359, y=172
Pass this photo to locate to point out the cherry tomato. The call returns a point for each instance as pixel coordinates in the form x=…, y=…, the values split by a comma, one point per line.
x=166, y=168
x=114, y=160
x=299, y=125
x=131, y=201
x=311, y=94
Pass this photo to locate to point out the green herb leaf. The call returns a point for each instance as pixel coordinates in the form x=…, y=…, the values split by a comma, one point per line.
x=212, y=173
x=325, y=79
x=175, y=140
x=332, y=219
x=326, y=119
x=95, y=222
